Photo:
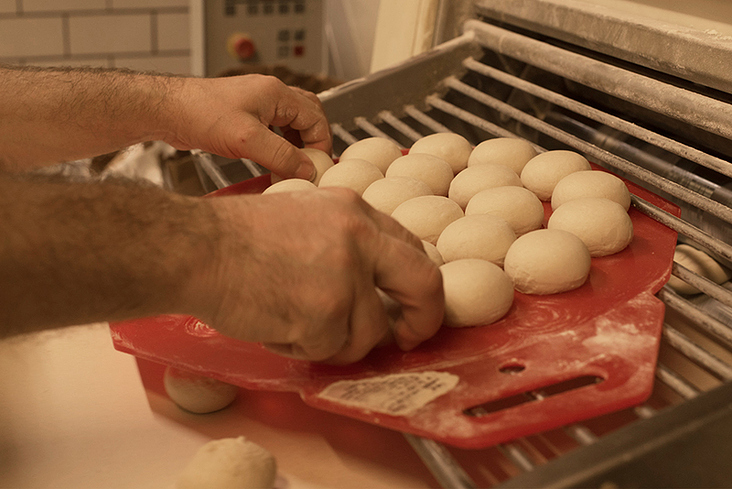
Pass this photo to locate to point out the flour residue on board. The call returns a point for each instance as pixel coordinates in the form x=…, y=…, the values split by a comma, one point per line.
x=611, y=333
x=395, y=394
x=199, y=329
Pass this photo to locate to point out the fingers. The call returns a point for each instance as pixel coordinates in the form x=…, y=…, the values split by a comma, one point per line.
x=277, y=154
x=301, y=111
x=319, y=141
x=369, y=324
x=338, y=316
x=301, y=117
x=411, y=279
x=405, y=272
x=391, y=227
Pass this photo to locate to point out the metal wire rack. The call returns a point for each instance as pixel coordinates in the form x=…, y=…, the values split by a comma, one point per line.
x=658, y=129
x=651, y=128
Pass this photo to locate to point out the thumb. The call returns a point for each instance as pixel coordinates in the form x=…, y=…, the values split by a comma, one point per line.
x=277, y=154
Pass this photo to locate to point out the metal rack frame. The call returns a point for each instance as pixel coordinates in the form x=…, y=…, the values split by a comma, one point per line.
x=443, y=91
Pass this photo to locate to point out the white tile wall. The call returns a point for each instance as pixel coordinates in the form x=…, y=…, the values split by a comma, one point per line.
x=7, y=6
x=149, y=3
x=64, y=5
x=173, y=32
x=150, y=35
x=96, y=34
x=31, y=37
x=178, y=65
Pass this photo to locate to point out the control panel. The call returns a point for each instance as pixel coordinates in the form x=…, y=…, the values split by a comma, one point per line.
x=263, y=32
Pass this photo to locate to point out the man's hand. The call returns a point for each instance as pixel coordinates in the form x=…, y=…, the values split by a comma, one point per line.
x=299, y=273
x=52, y=115
x=232, y=117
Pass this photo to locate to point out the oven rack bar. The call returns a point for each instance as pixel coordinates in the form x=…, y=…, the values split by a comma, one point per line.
x=696, y=352
x=445, y=469
x=598, y=154
x=690, y=107
x=639, y=132
x=717, y=246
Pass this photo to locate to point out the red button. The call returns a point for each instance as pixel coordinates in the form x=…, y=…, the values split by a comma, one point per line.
x=299, y=50
x=244, y=48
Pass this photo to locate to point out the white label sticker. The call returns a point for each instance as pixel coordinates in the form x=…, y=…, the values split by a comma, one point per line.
x=395, y=394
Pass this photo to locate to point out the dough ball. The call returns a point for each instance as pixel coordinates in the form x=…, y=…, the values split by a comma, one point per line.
x=518, y=206
x=477, y=292
x=289, y=185
x=451, y=147
x=353, y=173
x=433, y=171
x=472, y=180
x=542, y=173
x=196, y=393
x=481, y=236
x=227, y=464
x=700, y=263
x=433, y=253
x=379, y=151
x=603, y=225
x=547, y=261
x=591, y=183
x=427, y=216
x=320, y=159
x=511, y=152
x=386, y=194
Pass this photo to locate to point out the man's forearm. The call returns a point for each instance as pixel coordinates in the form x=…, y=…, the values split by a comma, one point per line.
x=52, y=115
x=79, y=253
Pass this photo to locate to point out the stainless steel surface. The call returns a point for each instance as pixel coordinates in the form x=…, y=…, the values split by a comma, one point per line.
x=381, y=93
x=672, y=138
x=695, y=54
x=442, y=465
x=205, y=163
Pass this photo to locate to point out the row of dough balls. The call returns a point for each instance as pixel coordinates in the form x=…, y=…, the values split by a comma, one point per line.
x=485, y=204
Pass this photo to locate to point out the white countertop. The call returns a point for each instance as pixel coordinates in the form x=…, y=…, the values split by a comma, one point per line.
x=75, y=413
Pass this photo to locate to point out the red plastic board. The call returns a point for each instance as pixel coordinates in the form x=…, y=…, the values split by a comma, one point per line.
x=609, y=328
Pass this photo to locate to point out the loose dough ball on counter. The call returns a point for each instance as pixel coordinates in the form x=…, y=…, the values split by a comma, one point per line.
x=542, y=173
x=603, y=225
x=547, y=261
x=379, y=151
x=481, y=236
x=477, y=292
x=520, y=207
x=700, y=263
x=386, y=194
x=472, y=180
x=590, y=183
x=353, y=173
x=449, y=146
x=511, y=152
x=196, y=393
x=320, y=159
x=433, y=171
x=427, y=216
x=433, y=253
x=289, y=185
x=229, y=463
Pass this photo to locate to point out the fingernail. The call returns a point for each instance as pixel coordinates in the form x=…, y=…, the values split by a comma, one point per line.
x=306, y=172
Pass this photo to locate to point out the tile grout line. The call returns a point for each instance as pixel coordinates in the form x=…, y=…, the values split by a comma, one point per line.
x=154, y=43
x=66, y=35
